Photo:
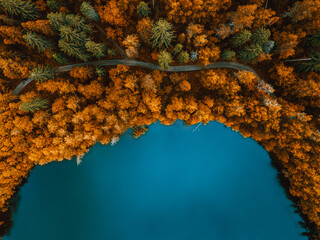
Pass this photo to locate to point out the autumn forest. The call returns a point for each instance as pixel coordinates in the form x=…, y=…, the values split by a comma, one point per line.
x=253, y=65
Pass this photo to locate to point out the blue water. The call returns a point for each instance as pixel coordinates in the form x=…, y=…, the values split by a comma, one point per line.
x=171, y=184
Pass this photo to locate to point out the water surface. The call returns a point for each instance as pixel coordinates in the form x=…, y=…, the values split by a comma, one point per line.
x=171, y=184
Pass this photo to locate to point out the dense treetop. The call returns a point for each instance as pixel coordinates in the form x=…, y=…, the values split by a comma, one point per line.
x=60, y=115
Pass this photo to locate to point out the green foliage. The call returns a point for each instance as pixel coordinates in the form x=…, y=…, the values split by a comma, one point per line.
x=250, y=52
x=194, y=56
x=177, y=48
x=73, y=50
x=268, y=46
x=111, y=52
x=162, y=34
x=314, y=41
x=228, y=55
x=57, y=20
x=87, y=10
x=36, y=41
x=97, y=49
x=143, y=9
x=183, y=57
x=311, y=66
x=60, y=58
x=34, y=105
x=25, y=9
x=78, y=23
x=240, y=39
x=100, y=71
x=69, y=34
x=53, y=5
x=261, y=36
x=41, y=74
x=164, y=60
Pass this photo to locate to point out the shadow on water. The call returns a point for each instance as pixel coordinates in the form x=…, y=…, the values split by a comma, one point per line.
x=7, y=217
x=310, y=228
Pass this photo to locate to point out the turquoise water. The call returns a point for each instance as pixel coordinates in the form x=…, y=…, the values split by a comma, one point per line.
x=171, y=184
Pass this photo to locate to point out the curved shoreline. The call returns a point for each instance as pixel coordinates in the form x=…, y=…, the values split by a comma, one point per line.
x=134, y=63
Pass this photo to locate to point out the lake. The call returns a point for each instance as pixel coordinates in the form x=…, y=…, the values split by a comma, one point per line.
x=174, y=183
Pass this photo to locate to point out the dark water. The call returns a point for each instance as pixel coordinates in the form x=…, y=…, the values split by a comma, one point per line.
x=171, y=184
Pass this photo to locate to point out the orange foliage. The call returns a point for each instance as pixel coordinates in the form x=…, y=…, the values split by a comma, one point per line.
x=196, y=10
x=286, y=43
x=209, y=55
x=83, y=73
x=144, y=29
x=40, y=26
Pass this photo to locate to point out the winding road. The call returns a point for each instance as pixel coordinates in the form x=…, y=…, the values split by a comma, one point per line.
x=133, y=63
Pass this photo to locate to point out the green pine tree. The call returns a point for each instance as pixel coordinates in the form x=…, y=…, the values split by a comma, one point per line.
x=111, y=52
x=41, y=74
x=78, y=23
x=87, y=10
x=162, y=34
x=143, y=9
x=73, y=50
x=60, y=58
x=100, y=71
x=183, y=57
x=261, y=36
x=268, y=46
x=194, y=56
x=53, y=5
x=164, y=60
x=311, y=66
x=57, y=20
x=250, y=52
x=25, y=9
x=97, y=49
x=177, y=48
x=228, y=55
x=69, y=34
x=34, y=105
x=240, y=39
x=37, y=41
x=314, y=40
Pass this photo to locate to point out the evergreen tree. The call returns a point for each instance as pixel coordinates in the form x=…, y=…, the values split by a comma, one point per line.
x=25, y=9
x=194, y=56
x=183, y=57
x=73, y=50
x=250, y=52
x=164, y=60
x=177, y=48
x=311, y=66
x=111, y=52
x=162, y=34
x=53, y=5
x=240, y=39
x=314, y=41
x=100, y=71
x=78, y=23
x=69, y=34
x=228, y=55
x=87, y=10
x=97, y=49
x=268, y=46
x=57, y=20
x=60, y=58
x=143, y=9
x=36, y=41
x=261, y=36
x=34, y=105
x=41, y=74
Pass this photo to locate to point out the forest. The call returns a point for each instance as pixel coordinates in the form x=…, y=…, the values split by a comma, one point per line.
x=63, y=112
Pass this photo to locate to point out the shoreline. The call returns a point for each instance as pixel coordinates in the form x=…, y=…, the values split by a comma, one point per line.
x=309, y=227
